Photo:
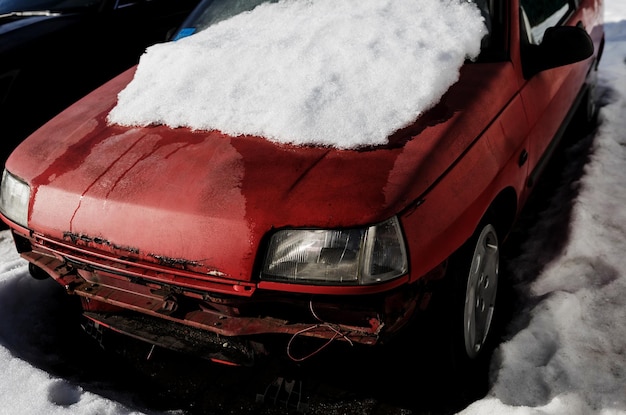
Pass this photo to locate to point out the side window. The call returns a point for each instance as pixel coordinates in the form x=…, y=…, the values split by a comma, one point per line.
x=539, y=15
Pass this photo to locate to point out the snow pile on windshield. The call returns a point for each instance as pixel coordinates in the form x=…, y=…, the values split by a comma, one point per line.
x=344, y=74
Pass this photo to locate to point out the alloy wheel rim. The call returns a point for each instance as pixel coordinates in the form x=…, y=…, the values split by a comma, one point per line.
x=481, y=291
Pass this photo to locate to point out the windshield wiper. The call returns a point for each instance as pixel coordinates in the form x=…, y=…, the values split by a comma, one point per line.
x=29, y=14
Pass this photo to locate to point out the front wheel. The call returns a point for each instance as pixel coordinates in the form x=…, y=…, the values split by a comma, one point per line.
x=464, y=310
x=480, y=291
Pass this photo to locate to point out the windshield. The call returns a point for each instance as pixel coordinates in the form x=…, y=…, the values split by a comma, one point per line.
x=210, y=12
x=10, y=6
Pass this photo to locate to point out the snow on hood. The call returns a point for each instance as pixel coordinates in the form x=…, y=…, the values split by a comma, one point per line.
x=343, y=74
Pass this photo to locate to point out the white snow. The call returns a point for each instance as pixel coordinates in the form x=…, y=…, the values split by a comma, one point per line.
x=567, y=350
x=342, y=74
x=614, y=11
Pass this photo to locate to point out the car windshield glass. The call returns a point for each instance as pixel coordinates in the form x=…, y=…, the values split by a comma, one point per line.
x=210, y=12
x=11, y=6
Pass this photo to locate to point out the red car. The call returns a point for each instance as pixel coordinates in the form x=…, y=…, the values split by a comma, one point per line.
x=221, y=244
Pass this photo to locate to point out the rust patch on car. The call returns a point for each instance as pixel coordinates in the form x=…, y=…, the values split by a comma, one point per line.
x=174, y=262
x=178, y=263
x=80, y=239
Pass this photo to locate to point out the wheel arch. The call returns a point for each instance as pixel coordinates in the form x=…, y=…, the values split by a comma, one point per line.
x=502, y=212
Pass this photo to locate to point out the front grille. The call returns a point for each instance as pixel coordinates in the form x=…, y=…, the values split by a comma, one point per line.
x=90, y=259
x=169, y=335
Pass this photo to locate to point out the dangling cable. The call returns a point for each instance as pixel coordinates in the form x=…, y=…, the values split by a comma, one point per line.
x=324, y=324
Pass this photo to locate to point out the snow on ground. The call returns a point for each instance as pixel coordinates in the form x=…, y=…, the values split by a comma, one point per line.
x=567, y=351
x=24, y=388
x=614, y=11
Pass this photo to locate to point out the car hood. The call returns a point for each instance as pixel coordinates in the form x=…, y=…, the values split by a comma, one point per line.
x=182, y=196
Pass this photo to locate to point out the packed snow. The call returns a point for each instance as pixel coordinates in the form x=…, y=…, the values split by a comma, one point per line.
x=566, y=354
x=342, y=74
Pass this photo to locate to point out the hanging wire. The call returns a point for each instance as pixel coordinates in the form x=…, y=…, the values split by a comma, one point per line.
x=334, y=328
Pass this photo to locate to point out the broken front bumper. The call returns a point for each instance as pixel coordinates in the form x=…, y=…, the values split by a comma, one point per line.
x=213, y=317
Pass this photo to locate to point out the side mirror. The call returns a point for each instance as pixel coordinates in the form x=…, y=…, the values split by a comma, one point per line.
x=561, y=45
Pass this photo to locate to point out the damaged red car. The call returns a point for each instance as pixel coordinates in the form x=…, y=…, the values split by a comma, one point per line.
x=212, y=242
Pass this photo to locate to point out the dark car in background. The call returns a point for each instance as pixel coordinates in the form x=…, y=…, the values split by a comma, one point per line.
x=52, y=52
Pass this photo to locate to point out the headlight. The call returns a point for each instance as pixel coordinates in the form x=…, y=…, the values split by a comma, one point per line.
x=14, y=197
x=355, y=256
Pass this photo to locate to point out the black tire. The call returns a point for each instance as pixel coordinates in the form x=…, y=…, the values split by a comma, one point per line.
x=585, y=119
x=464, y=310
x=36, y=272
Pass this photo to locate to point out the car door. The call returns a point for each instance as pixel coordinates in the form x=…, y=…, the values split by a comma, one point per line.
x=548, y=95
